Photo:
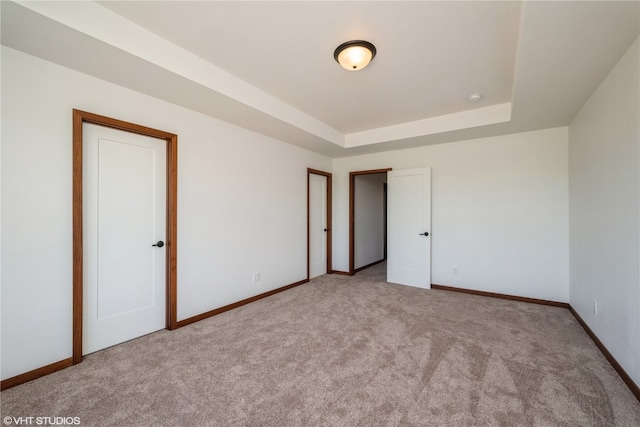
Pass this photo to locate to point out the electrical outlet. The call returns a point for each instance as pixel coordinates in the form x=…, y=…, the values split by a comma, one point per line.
x=595, y=307
x=256, y=276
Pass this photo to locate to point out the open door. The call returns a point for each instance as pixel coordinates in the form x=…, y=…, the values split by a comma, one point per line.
x=409, y=227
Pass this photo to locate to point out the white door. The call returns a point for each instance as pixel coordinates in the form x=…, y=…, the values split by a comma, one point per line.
x=124, y=204
x=317, y=225
x=409, y=218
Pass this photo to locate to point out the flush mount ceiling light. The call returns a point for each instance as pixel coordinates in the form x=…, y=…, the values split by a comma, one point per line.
x=355, y=54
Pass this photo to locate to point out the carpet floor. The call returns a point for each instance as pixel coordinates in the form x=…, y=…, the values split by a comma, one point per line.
x=347, y=351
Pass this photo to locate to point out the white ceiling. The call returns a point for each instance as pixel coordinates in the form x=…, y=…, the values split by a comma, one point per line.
x=268, y=66
x=427, y=63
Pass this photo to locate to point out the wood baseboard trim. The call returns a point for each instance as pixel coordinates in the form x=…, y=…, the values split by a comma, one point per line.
x=36, y=373
x=369, y=265
x=211, y=313
x=501, y=296
x=344, y=273
x=612, y=360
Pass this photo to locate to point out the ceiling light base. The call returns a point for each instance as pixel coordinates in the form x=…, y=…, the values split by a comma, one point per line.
x=354, y=55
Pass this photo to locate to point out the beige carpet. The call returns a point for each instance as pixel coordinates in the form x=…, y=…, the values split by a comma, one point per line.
x=347, y=351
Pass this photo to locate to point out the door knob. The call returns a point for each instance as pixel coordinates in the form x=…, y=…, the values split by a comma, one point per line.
x=426, y=233
x=159, y=244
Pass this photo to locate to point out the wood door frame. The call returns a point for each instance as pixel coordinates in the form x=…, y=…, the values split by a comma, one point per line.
x=80, y=118
x=352, y=196
x=328, y=219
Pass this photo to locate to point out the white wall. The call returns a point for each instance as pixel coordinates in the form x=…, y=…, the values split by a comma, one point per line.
x=241, y=205
x=604, y=171
x=369, y=218
x=499, y=211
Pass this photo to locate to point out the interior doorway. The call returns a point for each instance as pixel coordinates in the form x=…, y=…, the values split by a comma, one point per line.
x=80, y=119
x=367, y=218
x=319, y=241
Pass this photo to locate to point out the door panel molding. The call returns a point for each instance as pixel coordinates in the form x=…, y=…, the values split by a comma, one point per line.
x=80, y=118
x=352, y=211
x=329, y=177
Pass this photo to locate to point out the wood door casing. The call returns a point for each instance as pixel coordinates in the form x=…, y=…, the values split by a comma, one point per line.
x=352, y=184
x=328, y=221
x=79, y=118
